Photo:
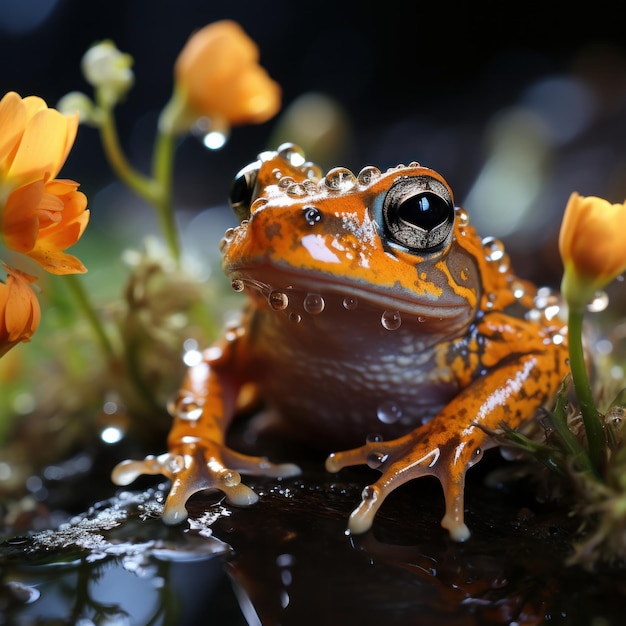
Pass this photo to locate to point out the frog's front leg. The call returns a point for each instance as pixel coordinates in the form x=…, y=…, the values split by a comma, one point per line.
x=448, y=445
x=198, y=458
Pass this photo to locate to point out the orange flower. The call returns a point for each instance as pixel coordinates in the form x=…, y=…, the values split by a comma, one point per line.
x=19, y=309
x=592, y=243
x=40, y=215
x=218, y=74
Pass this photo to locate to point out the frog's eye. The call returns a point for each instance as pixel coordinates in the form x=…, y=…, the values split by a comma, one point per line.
x=242, y=190
x=418, y=213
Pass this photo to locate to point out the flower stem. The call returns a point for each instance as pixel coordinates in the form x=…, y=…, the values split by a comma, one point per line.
x=137, y=182
x=591, y=419
x=92, y=317
x=162, y=171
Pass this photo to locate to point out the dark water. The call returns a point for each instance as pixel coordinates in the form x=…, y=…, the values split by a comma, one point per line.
x=288, y=561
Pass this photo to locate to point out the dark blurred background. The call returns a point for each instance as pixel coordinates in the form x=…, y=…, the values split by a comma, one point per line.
x=515, y=104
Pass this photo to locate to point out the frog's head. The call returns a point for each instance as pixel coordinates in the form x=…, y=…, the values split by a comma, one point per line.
x=390, y=239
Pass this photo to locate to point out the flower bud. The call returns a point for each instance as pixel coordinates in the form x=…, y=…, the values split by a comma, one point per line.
x=592, y=243
x=108, y=70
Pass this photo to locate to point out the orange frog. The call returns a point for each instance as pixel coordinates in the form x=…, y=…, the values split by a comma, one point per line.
x=376, y=320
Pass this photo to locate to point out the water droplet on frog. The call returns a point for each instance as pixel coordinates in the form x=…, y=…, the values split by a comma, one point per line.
x=389, y=412
x=312, y=170
x=376, y=459
x=185, y=407
x=350, y=303
x=296, y=190
x=292, y=153
x=374, y=438
x=493, y=249
x=278, y=300
x=340, y=179
x=421, y=319
x=237, y=284
x=368, y=174
x=285, y=181
x=505, y=264
x=312, y=215
x=314, y=303
x=174, y=463
x=296, y=318
x=229, y=478
x=391, y=320
x=462, y=215
x=599, y=303
x=369, y=493
x=257, y=204
x=229, y=235
x=518, y=289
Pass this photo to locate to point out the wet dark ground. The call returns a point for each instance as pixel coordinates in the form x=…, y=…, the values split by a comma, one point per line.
x=287, y=560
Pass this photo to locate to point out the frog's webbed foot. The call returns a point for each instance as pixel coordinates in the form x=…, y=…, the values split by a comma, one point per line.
x=400, y=461
x=195, y=469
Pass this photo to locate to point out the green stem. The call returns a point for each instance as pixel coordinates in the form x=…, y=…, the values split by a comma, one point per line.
x=559, y=420
x=140, y=184
x=591, y=419
x=162, y=171
x=92, y=317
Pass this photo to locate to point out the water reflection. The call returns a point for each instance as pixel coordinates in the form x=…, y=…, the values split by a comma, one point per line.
x=288, y=561
x=118, y=565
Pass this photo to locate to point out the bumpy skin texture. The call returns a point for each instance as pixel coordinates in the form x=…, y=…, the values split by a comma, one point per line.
x=377, y=322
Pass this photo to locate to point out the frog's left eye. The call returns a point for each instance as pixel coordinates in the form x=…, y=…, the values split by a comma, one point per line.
x=418, y=213
x=242, y=190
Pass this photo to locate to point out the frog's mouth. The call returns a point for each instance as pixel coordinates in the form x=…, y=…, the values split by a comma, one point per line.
x=297, y=294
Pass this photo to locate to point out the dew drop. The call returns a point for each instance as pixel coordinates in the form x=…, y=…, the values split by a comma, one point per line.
x=368, y=174
x=312, y=170
x=391, y=320
x=350, y=303
x=296, y=190
x=376, y=459
x=518, y=289
x=493, y=249
x=237, y=284
x=229, y=234
x=174, y=463
x=285, y=181
x=314, y=303
x=340, y=179
x=421, y=319
x=369, y=493
x=296, y=318
x=462, y=215
x=599, y=303
x=185, y=407
x=292, y=153
x=229, y=478
x=389, y=412
x=374, y=438
x=278, y=300
x=257, y=204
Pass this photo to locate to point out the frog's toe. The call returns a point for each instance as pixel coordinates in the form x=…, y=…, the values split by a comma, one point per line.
x=362, y=518
x=259, y=466
x=201, y=476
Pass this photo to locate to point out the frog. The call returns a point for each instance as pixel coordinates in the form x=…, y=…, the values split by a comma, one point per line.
x=377, y=325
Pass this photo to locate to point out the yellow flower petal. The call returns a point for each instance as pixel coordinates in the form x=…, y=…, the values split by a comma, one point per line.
x=592, y=243
x=218, y=74
x=43, y=148
x=40, y=215
x=20, y=223
x=12, y=122
x=20, y=313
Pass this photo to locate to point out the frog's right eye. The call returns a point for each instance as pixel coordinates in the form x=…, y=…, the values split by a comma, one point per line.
x=243, y=190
